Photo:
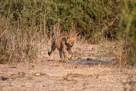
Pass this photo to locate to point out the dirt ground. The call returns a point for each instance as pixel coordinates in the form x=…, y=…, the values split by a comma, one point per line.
x=92, y=69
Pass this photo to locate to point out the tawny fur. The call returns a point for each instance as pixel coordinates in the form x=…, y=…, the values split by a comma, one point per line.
x=63, y=44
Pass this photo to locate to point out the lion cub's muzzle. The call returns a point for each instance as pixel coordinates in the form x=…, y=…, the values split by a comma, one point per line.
x=71, y=45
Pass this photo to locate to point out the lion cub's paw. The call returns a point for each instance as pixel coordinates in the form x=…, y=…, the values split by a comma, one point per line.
x=70, y=58
x=61, y=61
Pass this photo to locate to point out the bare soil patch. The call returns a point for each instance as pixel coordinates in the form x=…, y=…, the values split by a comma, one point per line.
x=89, y=70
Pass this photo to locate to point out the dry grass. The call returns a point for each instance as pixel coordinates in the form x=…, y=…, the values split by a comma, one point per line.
x=18, y=44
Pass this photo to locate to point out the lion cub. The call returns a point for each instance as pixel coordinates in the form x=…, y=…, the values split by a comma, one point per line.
x=63, y=44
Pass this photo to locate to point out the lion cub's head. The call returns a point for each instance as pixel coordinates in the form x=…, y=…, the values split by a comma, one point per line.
x=70, y=40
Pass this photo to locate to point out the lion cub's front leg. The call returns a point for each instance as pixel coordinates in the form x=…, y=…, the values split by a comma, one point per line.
x=60, y=53
x=65, y=54
x=71, y=54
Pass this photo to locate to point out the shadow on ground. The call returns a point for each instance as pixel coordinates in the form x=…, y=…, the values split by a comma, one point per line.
x=89, y=62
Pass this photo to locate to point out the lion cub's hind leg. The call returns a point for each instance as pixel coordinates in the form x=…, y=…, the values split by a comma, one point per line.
x=53, y=47
x=65, y=54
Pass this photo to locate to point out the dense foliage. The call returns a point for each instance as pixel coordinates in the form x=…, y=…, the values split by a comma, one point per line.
x=87, y=16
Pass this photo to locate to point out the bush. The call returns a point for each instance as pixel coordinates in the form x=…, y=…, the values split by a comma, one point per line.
x=90, y=17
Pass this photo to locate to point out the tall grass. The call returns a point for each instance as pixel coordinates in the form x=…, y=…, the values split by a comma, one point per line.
x=127, y=29
x=21, y=30
x=17, y=44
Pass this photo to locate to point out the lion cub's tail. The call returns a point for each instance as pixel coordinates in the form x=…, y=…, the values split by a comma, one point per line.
x=49, y=53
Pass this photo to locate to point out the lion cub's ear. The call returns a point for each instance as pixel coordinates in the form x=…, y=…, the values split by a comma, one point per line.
x=67, y=37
